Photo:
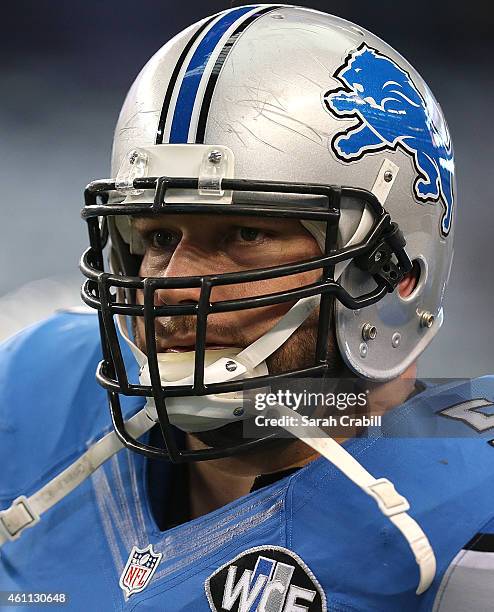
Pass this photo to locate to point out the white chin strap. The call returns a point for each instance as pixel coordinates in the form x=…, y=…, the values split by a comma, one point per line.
x=197, y=414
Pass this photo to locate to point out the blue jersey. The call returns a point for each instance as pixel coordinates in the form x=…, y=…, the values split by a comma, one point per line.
x=311, y=541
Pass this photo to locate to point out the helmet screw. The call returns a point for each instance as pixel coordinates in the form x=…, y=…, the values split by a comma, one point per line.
x=388, y=176
x=427, y=319
x=215, y=156
x=231, y=366
x=369, y=331
x=238, y=411
x=377, y=256
x=363, y=350
x=395, y=340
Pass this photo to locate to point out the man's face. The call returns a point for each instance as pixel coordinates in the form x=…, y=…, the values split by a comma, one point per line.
x=191, y=245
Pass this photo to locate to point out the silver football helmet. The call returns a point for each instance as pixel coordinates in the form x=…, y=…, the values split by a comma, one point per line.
x=278, y=110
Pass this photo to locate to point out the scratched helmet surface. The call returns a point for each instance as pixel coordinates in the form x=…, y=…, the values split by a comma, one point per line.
x=300, y=96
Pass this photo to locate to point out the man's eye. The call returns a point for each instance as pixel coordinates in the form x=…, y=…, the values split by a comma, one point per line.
x=163, y=239
x=249, y=234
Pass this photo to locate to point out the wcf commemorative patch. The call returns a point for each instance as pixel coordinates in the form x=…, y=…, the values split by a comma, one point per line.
x=265, y=578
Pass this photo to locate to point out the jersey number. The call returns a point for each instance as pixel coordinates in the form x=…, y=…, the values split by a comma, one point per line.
x=469, y=412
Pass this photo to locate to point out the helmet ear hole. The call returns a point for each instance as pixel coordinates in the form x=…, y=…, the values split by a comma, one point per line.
x=410, y=281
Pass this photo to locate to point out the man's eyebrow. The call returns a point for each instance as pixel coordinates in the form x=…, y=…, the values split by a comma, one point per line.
x=144, y=217
x=143, y=220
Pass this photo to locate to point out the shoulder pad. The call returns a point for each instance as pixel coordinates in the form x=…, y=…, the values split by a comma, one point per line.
x=51, y=405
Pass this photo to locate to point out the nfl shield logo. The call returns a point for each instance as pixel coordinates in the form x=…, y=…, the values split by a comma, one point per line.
x=139, y=569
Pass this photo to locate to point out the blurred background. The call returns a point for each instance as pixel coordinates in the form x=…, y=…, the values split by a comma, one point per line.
x=66, y=67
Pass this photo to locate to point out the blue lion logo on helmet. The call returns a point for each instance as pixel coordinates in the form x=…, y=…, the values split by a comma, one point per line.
x=391, y=113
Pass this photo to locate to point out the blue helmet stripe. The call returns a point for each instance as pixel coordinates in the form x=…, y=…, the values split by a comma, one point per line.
x=173, y=80
x=192, y=77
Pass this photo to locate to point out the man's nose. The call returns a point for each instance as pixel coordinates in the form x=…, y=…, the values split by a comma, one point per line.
x=186, y=261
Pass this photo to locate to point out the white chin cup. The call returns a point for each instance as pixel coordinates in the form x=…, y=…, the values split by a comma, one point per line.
x=202, y=413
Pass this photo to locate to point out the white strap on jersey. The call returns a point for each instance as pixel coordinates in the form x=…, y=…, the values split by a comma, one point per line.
x=390, y=502
x=26, y=511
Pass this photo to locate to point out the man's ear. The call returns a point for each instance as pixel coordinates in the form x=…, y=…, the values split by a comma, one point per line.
x=409, y=281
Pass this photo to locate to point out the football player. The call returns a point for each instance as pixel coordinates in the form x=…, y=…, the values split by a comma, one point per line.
x=281, y=208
